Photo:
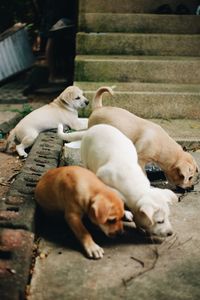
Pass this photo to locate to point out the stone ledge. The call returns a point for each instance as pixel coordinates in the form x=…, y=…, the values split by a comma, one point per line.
x=17, y=210
x=16, y=248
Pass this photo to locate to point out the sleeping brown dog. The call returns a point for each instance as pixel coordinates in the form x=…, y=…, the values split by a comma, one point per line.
x=76, y=191
x=152, y=142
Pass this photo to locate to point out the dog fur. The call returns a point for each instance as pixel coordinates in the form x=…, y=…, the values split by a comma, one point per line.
x=76, y=191
x=152, y=142
x=113, y=158
x=62, y=110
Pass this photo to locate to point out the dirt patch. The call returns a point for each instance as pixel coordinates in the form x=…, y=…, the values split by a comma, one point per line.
x=10, y=167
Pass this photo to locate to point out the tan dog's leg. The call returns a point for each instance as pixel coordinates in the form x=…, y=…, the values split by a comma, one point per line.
x=25, y=143
x=91, y=248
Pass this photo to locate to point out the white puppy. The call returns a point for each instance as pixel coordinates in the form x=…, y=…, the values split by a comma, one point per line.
x=112, y=156
x=64, y=109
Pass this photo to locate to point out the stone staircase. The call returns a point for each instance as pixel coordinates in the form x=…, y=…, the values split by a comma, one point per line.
x=152, y=59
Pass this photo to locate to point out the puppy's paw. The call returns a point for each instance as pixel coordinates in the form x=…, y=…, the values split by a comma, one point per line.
x=61, y=133
x=21, y=152
x=60, y=128
x=94, y=251
x=128, y=216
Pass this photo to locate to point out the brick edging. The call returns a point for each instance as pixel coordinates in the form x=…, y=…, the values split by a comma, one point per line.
x=17, y=217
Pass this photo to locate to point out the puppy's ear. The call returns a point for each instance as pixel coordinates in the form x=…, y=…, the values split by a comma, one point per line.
x=99, y=210
x=171, y=196
x=148, y=212
x=182, y=172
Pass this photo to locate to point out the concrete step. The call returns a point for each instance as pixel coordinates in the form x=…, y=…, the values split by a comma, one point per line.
x=138, y=69
x=141, y=23
x=133, y=6
x=138, y=44
x=166, y=101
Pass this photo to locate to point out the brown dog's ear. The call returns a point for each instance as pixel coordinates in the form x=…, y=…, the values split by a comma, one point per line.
x=99, y=210
x=148, y=211
x=181, y=171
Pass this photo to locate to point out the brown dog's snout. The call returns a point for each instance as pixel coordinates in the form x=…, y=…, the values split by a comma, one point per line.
x=120, y=231
x=114, y=234
x=183, y=190
x=191, y=188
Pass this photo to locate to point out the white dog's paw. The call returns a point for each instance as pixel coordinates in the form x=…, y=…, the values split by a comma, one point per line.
x=60, y=128
x=20, y=151
x=61, y=133
x=94, y=251
x=128, y=216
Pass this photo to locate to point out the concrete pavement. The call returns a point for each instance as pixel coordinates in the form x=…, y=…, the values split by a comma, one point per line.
x=133, y=267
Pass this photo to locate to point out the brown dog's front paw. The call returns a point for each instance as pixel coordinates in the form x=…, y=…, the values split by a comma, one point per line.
x=94, y=251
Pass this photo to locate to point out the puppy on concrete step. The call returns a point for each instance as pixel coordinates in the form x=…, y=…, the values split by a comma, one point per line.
x=64, y=109
x=76, y=191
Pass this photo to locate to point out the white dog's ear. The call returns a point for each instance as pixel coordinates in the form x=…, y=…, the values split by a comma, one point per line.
x=148, y=211
x=171, y=196
x=67, y=94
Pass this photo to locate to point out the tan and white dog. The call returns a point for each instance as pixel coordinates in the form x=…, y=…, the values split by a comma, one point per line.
x=64, y=109
x=75, y=191
x=113, y=158
x=152, y=142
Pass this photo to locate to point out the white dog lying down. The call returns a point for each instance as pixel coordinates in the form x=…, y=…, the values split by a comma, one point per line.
x=113, y=158
x=64, y=109
x=152, y=142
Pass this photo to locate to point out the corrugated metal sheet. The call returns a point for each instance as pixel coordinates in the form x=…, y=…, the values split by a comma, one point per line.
x=15, y=52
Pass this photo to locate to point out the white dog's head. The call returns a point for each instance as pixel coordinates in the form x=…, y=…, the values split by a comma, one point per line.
x=73, y=97
x=153, y=212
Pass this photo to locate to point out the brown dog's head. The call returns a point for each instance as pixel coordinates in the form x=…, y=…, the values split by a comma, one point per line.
x=107, y=211
x=73, y=97
x=185, y=171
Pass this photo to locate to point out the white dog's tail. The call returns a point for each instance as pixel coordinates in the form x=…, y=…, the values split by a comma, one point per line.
x=10, y=143
x=97, y=100
x=69, y=137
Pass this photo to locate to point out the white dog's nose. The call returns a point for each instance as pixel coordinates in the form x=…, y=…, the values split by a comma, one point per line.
x=86, y=101
x=170, y=232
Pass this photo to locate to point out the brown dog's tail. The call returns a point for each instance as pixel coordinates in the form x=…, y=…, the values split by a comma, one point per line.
x=97, y=100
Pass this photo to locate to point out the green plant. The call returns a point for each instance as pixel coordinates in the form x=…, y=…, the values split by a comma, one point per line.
x=26, y=109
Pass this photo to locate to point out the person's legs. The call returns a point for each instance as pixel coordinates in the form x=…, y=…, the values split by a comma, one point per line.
x=50, y=57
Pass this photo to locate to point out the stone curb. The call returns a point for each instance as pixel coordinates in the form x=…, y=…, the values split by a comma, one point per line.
x=17, y=209
x=17, y=217
x=15, y=258
x=5, y=127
